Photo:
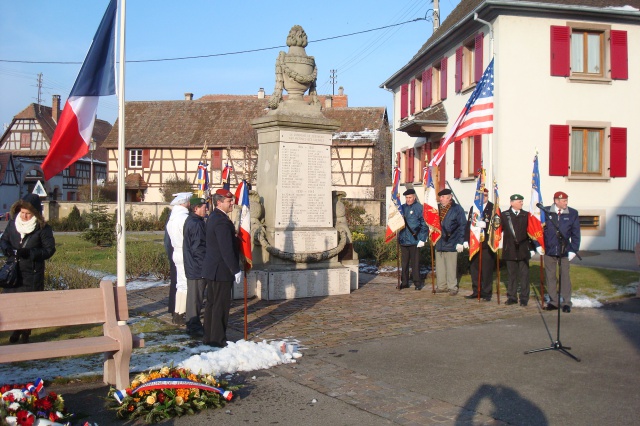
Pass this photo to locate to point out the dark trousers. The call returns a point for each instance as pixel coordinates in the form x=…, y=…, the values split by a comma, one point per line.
x=195, y=296
x=488, y=264
x=216, y=313
x=410, y=258
x=173, y=274
x=551, y=265
x=518, y=271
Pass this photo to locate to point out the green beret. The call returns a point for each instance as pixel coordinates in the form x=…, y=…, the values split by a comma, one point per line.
x=516, y=197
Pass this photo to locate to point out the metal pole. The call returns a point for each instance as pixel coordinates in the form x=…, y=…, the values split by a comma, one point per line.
x=120, y=227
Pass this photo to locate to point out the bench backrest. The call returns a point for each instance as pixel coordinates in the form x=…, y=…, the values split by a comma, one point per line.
x=63, y=307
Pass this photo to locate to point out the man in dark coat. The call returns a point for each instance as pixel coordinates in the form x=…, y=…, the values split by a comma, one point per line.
x=194, y=248
x=30, y=239
x=517, y=249
x=488, y=256
x=411, y=238
x=221, y=268
x=453, y=222
x=562, y=226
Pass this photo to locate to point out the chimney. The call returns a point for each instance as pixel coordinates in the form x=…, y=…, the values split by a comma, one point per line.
x=328, y=102
x=340, y=91
x=55, y=108
x=188, y=96
x=261, y=93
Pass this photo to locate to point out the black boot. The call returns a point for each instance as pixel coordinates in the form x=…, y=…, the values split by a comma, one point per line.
x=15, y=336
x=25, y=336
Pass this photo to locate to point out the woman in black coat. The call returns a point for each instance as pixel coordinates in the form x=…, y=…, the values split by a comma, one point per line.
x=30, y=239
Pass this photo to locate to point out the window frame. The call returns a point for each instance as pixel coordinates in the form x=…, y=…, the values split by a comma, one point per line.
x=135, y=158
x=585, y=151
x=585, y=57
x=605, y=51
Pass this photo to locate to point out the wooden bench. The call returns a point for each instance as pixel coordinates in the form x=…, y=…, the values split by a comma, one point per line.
x=105, y=305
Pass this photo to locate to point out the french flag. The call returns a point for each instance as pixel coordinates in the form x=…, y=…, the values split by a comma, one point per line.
x=244, y=233
x=96, y=78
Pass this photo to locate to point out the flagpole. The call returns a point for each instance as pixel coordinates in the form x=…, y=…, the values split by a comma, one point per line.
x=120, y=227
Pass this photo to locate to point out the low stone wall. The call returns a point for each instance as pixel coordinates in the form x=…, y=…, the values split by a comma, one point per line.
x=61, y=209
x=374, y=209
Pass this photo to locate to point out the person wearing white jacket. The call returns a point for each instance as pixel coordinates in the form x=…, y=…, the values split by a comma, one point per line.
x=175, y=228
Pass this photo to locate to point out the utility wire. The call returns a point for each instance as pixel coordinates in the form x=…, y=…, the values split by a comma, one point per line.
x=220, y=54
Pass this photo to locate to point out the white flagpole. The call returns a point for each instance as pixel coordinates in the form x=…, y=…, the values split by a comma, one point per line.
x=120, y=227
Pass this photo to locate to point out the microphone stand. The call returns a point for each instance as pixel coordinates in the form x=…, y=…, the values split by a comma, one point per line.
x=557, y=344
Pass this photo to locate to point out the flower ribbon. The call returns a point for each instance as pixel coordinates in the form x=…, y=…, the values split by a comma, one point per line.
x=36, y=388
x=156, y=384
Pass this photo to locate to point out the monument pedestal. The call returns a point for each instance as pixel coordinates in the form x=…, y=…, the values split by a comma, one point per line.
x=298, y=256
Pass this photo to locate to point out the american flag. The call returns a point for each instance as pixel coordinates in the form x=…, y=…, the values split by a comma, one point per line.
x=475, y=119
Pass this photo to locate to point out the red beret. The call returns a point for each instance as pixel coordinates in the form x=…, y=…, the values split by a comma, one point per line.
x=560, y=195
x=224, y=192
x=486, y=190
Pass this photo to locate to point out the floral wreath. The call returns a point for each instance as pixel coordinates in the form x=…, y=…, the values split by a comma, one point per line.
x=26, y=404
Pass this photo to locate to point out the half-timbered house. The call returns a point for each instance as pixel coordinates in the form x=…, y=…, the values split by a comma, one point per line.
x=27, y=141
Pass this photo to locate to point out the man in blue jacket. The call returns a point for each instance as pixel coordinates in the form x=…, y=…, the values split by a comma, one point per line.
x=562, y=227
x=221, y=268
x=453, y=222
x=411, y=238
x=194, y=248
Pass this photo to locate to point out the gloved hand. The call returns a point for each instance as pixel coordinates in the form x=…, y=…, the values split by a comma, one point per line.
x=540, y=250
x=465, y=245
x=25, y=252
x=481, y=224
x=459, y=248
x=532, y=253
x=239, y=277
x=420, y=244
x=571, y=255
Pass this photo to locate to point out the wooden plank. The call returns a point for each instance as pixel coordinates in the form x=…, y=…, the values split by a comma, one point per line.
x=43, y=350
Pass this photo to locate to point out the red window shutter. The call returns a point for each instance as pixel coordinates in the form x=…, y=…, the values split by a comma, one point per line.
x=618, y=150
x=426, y=88
x=127, y=153
x=410, y=165
x=442, y=173
x=619, y=55
x=457, y=157
x=404, y=98
x=146, y=158
x=216, y=159
x=398, y=157
x=560, y=51
x=477, y=153
x=72, y=170
x=478, y=57
x=412, y=97
x=443, y=79
x=459, y=69
x=558, y=150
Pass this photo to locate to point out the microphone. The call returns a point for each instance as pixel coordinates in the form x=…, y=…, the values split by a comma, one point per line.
x=542, y=207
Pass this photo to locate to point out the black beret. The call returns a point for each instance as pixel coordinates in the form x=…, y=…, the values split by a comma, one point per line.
x=445, y=191
x=409, y=191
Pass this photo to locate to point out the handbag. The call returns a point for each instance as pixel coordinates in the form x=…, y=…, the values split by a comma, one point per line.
x=9, y=273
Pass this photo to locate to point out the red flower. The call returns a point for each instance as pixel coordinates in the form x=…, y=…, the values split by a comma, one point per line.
x=11, y=397
x=44, y=404
x=53, y=395
x=129, y=392
x=5, y=388
x=25, y=418
x=53, y=416
x=161, y=397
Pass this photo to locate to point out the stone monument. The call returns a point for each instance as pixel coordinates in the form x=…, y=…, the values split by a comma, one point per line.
x=298, y=224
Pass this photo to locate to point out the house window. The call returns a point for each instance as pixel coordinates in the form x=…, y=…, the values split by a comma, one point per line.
x=435, y=83
x=468, y=61
x=417, y=95
x=25, y=140
x=587, y=53
x=135, y=158
x=470, y=157
x=586, y=151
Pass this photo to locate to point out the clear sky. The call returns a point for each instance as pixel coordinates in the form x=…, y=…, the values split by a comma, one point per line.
x=44, y=30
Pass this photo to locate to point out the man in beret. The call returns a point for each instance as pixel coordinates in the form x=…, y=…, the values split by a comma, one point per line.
x=452, y=221
x=562, y=242
x=411, y=238
x=194, y=249
x=517, y=249
x=488, y=256
x=221, y=268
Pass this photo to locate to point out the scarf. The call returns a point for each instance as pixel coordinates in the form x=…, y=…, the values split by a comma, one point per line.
x=443, y=210
x=27, y=227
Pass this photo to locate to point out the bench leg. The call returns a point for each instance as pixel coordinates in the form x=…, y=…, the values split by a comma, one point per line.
x=116, y=369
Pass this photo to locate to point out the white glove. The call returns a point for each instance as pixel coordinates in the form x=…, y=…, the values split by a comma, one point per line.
x=532, y=253
x=571, y=255
x=465, y=245
x=481, y=224
x=540, y=250
x=239, y=277
x=459, y=248
x=420, y=244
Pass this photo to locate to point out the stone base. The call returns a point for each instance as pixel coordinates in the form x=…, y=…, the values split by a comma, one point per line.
x=279, y=285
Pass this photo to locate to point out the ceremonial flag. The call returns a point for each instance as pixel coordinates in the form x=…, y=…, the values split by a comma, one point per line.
x=536, y=221
x=203, y=179
x=244, y=231
x=395, y=219
x=74, y=129
x=475, y=119
x=475, y=233
x=226, y=176
x=430, y=211
x=495, y=234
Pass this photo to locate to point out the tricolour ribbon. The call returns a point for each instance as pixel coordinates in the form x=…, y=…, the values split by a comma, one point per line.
x=174, y=383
